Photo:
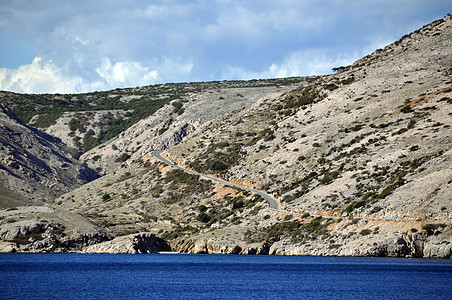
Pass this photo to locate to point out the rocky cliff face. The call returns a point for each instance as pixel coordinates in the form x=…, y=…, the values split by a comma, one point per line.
x=34, y=166
x=141, y=243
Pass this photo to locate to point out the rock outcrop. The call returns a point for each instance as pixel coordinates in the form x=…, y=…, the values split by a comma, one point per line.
x=140, y=243
x=425, y=244
x=43, y=229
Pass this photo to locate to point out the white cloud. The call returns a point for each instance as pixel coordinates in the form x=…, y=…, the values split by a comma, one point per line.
x=89, y=45
x=76, y=39
x=38, y=77
x=126, y=73
x=311, y=62
x=46, y=77
x=301, y=63
x=175, y=69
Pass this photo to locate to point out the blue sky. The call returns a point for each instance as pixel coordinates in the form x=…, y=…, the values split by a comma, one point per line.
x=51, y=46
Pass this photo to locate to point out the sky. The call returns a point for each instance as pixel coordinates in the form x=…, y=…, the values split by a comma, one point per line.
x=54, y=46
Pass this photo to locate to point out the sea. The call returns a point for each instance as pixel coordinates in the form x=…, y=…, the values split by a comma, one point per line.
x=189, y=276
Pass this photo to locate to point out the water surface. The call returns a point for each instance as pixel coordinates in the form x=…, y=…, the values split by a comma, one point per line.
x=167, y=276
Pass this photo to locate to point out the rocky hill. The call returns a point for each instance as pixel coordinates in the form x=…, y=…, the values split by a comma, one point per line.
x=34, y=166
x=34, y=169
x=177, y=120
x=359, y=142
x=372, y=141
x=360, y=161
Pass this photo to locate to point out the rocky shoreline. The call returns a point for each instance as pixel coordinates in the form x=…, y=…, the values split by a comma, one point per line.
x=38, y=235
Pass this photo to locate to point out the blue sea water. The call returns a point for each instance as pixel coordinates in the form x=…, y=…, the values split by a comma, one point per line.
x=169, y=276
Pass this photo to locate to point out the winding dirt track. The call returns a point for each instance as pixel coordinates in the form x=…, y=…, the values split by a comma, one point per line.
x=271, y=201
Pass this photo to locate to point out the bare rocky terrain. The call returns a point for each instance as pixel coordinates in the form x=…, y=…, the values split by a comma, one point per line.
x=368, y=148
x=170, y=124
x=35, y=166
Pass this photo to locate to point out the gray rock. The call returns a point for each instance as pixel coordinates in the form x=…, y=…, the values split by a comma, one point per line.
x=141, y=243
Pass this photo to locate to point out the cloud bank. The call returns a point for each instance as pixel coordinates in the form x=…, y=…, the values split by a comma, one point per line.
x=85, y=46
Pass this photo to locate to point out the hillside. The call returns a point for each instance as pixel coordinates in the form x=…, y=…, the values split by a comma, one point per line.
x=357, y=142
x=35, y=167
x=83, y=121
x=177, y=120
x=371, y=141
x=369, y=148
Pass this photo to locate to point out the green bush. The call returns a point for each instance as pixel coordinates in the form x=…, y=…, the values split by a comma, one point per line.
x=331, y=86
x=365, y=232
x=222, y=144
x=348, y=80
x=106, y=197
x=238, y=204
x=217, y=165
x=354, y=206
x=203, y=217
x=202, y=208
x=122, y=158
x=89, y=142
x=45, y=120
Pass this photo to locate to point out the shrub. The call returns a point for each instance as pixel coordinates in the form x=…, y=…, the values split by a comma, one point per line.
x=217, y=165
x=89, y=142
x=202, y=208
x=329, y=177
x=365, y=232
x=47, y=119
x=106, y=197
x=357, y=127
x=222, y=144
x=354, y=206
x=339, y=69
x=162, y=130
x=177, y=105
x=238, y=204
x=123, y=157
x=314, y=225
x=203, y=217
x=375, y=209
x=348, y=80
x=331, y=86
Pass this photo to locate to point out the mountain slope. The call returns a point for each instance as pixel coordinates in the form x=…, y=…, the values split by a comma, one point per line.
x=177, y=120
x=34, y=166
x=372, y=141
x=371, y=136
